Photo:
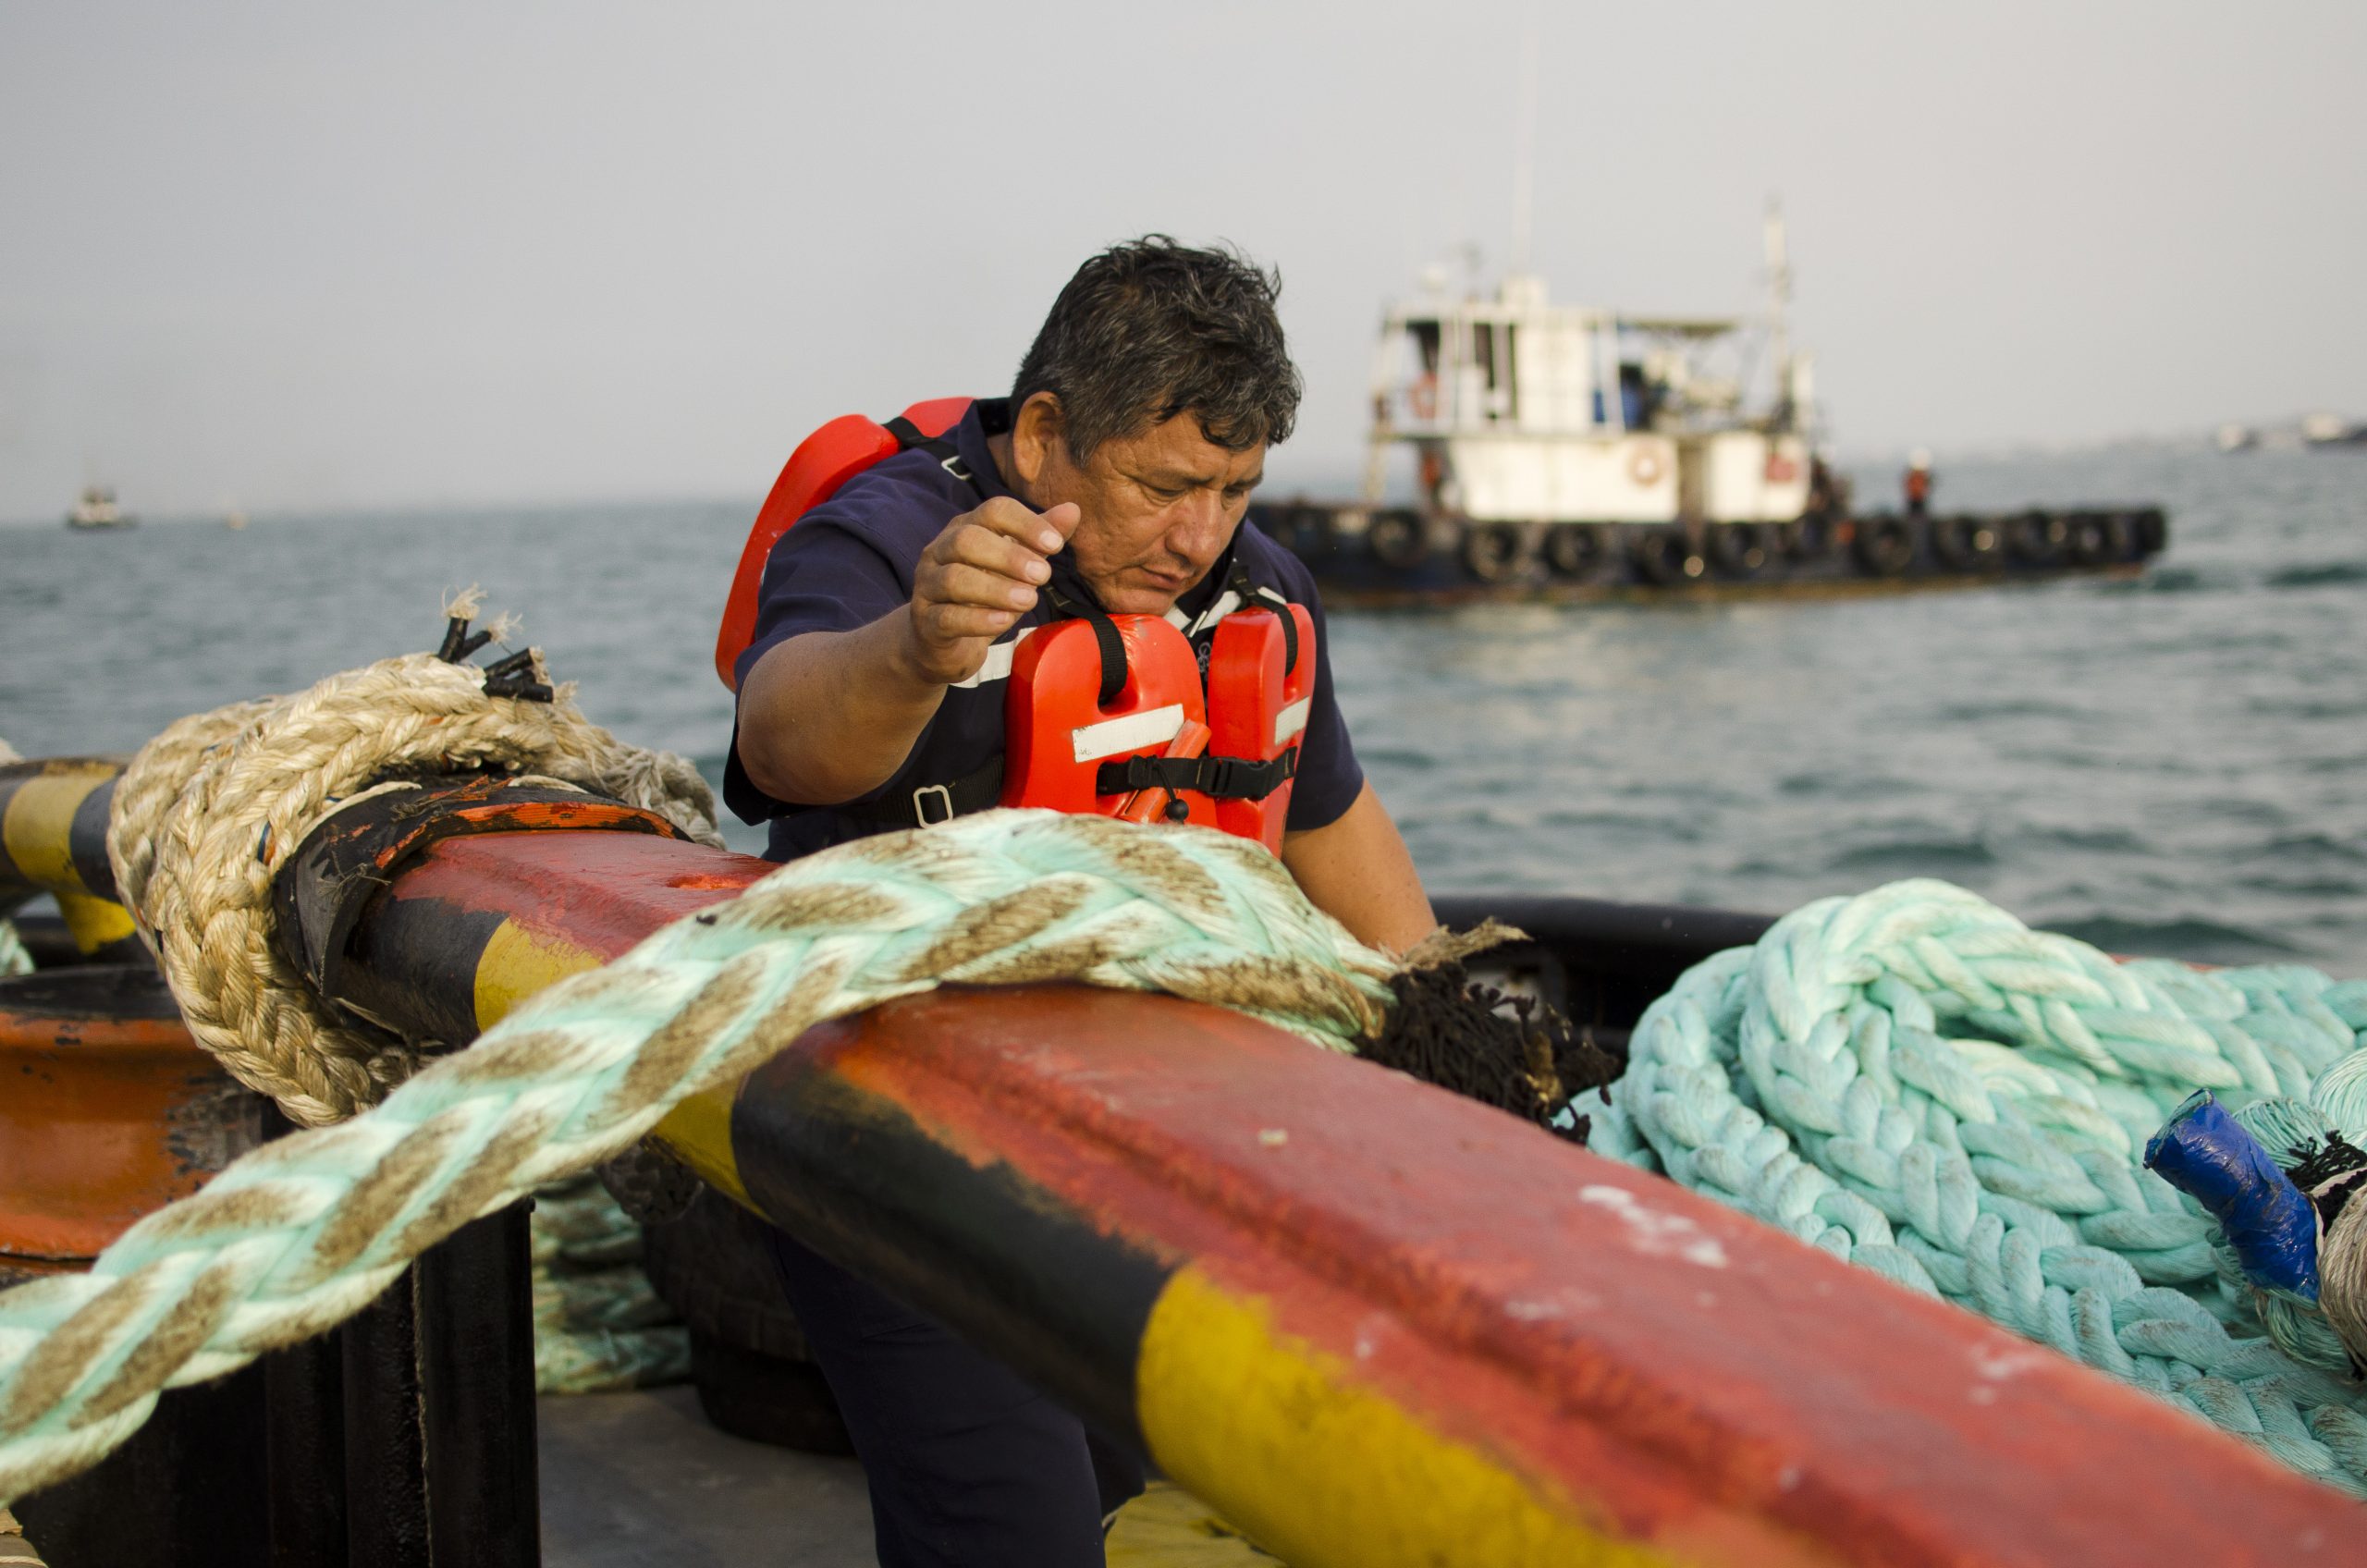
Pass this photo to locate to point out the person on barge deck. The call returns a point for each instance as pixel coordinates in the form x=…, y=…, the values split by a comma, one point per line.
x=1115, y=478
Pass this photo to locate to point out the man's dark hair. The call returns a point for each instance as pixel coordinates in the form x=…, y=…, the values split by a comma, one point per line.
x=1151, y=330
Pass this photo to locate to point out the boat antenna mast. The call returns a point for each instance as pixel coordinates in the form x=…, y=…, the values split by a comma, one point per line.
x=1778, y=299
x=1525, y=153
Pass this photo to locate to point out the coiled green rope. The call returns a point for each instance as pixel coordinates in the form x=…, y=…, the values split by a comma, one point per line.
x=598, y=1326
x=1915, y=1082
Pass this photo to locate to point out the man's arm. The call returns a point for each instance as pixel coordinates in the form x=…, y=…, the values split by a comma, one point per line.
x=1357, y=870
x=829, y=715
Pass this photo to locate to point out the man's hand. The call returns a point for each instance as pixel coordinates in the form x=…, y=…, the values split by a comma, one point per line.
x=975, y=580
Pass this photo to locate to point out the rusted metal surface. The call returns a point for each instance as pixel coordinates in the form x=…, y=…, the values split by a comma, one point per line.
x=1369, y=1319
x=1373, y=1323
x=1104, y=1187
x=108, y=1110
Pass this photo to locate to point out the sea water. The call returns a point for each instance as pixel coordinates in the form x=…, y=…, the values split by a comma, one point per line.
x=2175, y=765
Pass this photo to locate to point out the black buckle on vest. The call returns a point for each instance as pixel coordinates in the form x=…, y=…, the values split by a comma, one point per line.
x=1223, y=778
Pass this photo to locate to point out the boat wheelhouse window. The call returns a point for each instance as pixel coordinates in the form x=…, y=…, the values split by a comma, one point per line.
x=1426, y=342
x=1492, y=356
x=1636, y=403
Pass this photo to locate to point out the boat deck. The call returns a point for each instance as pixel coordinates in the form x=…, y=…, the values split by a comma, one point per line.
x=640, y=1480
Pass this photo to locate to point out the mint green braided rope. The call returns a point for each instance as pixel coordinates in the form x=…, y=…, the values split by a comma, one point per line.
x=304, y=1231
x=1919, y=1084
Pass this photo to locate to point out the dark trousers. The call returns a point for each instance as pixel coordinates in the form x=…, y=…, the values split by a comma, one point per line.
x=969, y=1466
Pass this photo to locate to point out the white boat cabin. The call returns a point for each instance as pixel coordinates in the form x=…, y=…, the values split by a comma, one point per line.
x=1524, y=411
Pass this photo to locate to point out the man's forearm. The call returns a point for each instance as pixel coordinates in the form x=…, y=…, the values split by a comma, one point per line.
x=827, y=715
x=1357, y=870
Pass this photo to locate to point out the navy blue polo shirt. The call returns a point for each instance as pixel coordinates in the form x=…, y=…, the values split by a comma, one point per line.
x=850, y=561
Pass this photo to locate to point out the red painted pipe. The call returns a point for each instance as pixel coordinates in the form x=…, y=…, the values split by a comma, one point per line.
x=1350, y=1309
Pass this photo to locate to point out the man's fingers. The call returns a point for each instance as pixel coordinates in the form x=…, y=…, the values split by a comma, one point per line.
x=989, y=551
x=959, y=584
x=1043, y=534
x=955, y=623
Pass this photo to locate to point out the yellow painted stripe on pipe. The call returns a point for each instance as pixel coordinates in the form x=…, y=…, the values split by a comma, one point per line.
x=1325, y=1471
x=699, y=1130
x=94, y=922
x=517, y=963
x=38, y=828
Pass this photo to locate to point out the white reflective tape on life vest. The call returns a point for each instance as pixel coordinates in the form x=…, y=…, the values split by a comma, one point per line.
x=1292, y=720
x=998, y=664
x=1131, y=733
x=1227, y=602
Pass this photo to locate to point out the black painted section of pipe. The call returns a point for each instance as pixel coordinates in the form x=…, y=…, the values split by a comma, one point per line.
x=184, y=1491
x=995, y=1257
x=413, y=961
x=86, y=841
x=476, y=1338
x=386, y=1470
x=304, y=1447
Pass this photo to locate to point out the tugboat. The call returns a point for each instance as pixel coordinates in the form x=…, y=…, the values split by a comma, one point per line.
x=97, y=511
x=1567, y=452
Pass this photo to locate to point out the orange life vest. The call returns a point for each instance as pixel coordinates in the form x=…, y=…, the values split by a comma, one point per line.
x=1109, y=714
x=1104, y=713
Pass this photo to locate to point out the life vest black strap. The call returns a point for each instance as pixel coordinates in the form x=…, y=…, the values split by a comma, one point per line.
x=933, y=803
x=1255, y=595
x=1081, y=606
x=1224, y=778
x=910, y=439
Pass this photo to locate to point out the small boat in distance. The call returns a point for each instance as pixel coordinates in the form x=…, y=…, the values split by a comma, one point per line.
x=97, y=509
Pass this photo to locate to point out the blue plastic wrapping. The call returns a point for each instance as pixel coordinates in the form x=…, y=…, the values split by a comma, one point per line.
x=2204, y=1152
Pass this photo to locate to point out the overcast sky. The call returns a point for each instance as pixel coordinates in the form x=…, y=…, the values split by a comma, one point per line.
x=404, y=254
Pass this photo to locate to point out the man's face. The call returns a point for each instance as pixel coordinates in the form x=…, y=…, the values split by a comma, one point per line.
x=1158, y=508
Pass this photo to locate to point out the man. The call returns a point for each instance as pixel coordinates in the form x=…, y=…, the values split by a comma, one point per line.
x=1116, y=475
x=1917, y=482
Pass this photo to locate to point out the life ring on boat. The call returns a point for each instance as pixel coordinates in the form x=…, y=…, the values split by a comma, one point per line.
x=1967, y=544
x=1737, y=549
x=2037, y=537
x=1397, y=539
x=1885, y=545
x=1665, y=557
x=1422, y=398
x=1644, y=466
x=1576, y=549
x=1494, y=552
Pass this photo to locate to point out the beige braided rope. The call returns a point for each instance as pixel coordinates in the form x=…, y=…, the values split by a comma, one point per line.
x=14, y=1551
x=302, y=1232
x=208, y=808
